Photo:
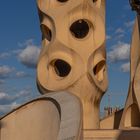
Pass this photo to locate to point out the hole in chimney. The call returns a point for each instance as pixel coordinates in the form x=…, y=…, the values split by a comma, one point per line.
x=61, y=67
x=46, y=32
x=94, y=0
x=62, y=0
x=98, y=70
x=80, y=28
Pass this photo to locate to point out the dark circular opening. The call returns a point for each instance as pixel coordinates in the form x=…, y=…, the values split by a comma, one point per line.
x=94, y=0
x=79, y=28
x=46, y=32
x=62, y=68
x=99, y=69
x=62, y=0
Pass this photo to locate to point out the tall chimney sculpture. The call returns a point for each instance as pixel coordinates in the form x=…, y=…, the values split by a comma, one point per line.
x=73, y=55
x=131, y=114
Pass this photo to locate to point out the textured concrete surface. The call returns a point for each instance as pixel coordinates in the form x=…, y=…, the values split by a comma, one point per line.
x=132, y=134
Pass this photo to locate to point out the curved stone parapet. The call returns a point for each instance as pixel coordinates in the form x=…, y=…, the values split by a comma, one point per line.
x=71, y=115
x=54, y=117
x=32, y=121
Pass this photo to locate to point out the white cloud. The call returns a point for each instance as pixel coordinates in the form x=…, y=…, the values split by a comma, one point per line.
x=29, y=56
x=16, y=52
x=21, y=74
x=4, y=55
x=26, y=43
x=2, y=82
x=5, y=71
x=6, y=98
x=10, y=101
x=118, y=37
x=3, y=95
x=11, y=72
x=24, y=93
x=108, y=37
x=120, y=52
x=129, y=24
x=125, y=67
x=6, y=108
x=119, y=34
x=119, y=30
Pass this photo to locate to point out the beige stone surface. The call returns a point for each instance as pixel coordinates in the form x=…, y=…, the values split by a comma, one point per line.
x=112, y=134
x=131, y=112
x=71, y=116
x=57, y=116
x=112, y=121
x=73, y=56
x=33, y=121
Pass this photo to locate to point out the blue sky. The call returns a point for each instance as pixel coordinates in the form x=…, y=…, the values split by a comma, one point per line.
x=20, y=40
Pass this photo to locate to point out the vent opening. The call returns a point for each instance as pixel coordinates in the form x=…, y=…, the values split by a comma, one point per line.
x=94, y=0
x=98, y=70
x=62, y=0
x=46, y=32
x=61, y=68
x=80, y=28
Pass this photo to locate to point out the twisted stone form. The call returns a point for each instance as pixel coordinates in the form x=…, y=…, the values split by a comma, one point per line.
x=73, y=56
x=131, y=112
